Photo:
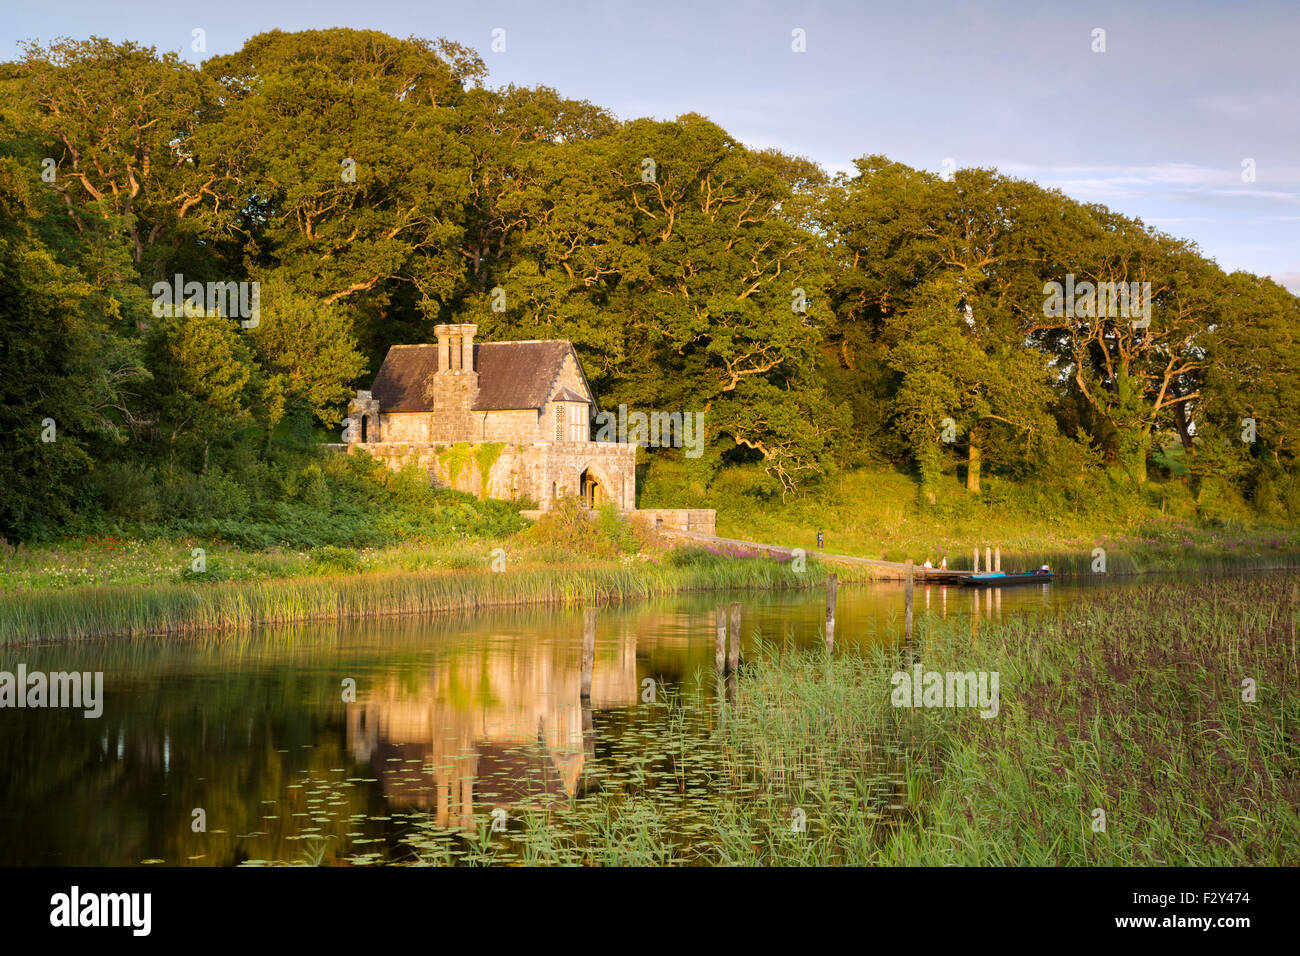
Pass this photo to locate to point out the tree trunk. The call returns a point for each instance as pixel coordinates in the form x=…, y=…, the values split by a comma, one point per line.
x=973, y=465
x=1134, y=447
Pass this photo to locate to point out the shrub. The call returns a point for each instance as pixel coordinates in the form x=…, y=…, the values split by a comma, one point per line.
x=213, y=495
x=213, y=572
x=129, y=491
x=570, y=526
x=329, y=559
x=691, y=556
x=314, y=491
x=616, y=529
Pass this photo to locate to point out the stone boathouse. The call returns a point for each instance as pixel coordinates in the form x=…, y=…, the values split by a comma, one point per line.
x=501, y=420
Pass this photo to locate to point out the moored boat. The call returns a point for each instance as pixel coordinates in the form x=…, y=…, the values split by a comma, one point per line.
x=1000, y=579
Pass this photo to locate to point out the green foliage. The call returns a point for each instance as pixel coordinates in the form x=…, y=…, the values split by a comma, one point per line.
x=210, y=495
x=300, y=500
x=572, y=527
x=453, y=460
x=616, y=529
x=485, y=456
x=213, y=572
x=308, y=349
x=202, y=372
x=60, y=379
x=329, y=559
x=820, y=324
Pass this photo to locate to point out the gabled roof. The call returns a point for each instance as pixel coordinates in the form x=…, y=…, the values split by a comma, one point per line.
x=511, y=375
x=569, y=395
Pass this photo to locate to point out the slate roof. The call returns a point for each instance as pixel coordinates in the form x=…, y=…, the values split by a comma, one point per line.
x=511, y=375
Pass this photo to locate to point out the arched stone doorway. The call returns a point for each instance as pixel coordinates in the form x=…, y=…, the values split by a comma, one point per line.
x=594, y=491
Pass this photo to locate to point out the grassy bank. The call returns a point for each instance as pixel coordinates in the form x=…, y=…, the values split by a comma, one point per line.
x=875, y=513
x=110, y=587
x=1130, y=705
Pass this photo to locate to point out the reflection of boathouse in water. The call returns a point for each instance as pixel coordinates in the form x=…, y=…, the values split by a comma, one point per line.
x=492, y=729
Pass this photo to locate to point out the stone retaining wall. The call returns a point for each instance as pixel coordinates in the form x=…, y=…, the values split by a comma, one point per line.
x=697, y=520
x=542, y=471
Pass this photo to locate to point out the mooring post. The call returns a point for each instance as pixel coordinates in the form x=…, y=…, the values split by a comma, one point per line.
x=588, y=650
x=975, y=561
x=988, y=558
x=997, y=559
x=907, y=590
x=733, y=652
x=720, y=649
x=832, y=589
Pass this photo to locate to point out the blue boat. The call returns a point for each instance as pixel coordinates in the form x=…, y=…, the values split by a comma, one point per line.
x=999, y=579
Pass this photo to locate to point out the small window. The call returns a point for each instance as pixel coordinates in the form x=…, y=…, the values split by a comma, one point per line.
x=578, y=430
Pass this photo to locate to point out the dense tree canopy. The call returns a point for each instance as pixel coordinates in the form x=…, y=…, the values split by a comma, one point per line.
x=374, y=186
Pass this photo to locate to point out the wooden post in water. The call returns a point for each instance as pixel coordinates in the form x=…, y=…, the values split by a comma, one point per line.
x=975, y=561
x=720, y=649
x=997, y=558
x=733, y=652
x=588, y=732
x=907, y=591
x=832, y=591
x=988, y=558
x=588, y=651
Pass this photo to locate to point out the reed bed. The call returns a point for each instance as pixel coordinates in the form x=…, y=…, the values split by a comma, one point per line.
x=1149, y=561
x=1122, y=738
x=172, y=608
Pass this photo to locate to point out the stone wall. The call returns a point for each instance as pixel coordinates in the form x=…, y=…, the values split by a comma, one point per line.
x=404, y=427
x=699, y=520
x=511, y=426
x=541, y=471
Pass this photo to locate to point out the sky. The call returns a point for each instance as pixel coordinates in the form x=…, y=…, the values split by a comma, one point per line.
x=1188, y=119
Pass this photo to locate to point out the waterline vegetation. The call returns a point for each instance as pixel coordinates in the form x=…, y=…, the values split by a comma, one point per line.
x=1126, y=736
x=168, y=608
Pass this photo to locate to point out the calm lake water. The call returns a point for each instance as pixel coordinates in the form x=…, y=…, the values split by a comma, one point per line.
x=455, y=717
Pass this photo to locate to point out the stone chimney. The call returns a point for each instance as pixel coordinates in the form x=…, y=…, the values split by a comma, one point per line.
x=444, y=347
x=467, y=333
x=455, y=388
x=455, y=348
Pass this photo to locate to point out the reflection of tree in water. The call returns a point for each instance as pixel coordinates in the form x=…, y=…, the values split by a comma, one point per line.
x=497, y=729
x=251, y=728
x=121, y=789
